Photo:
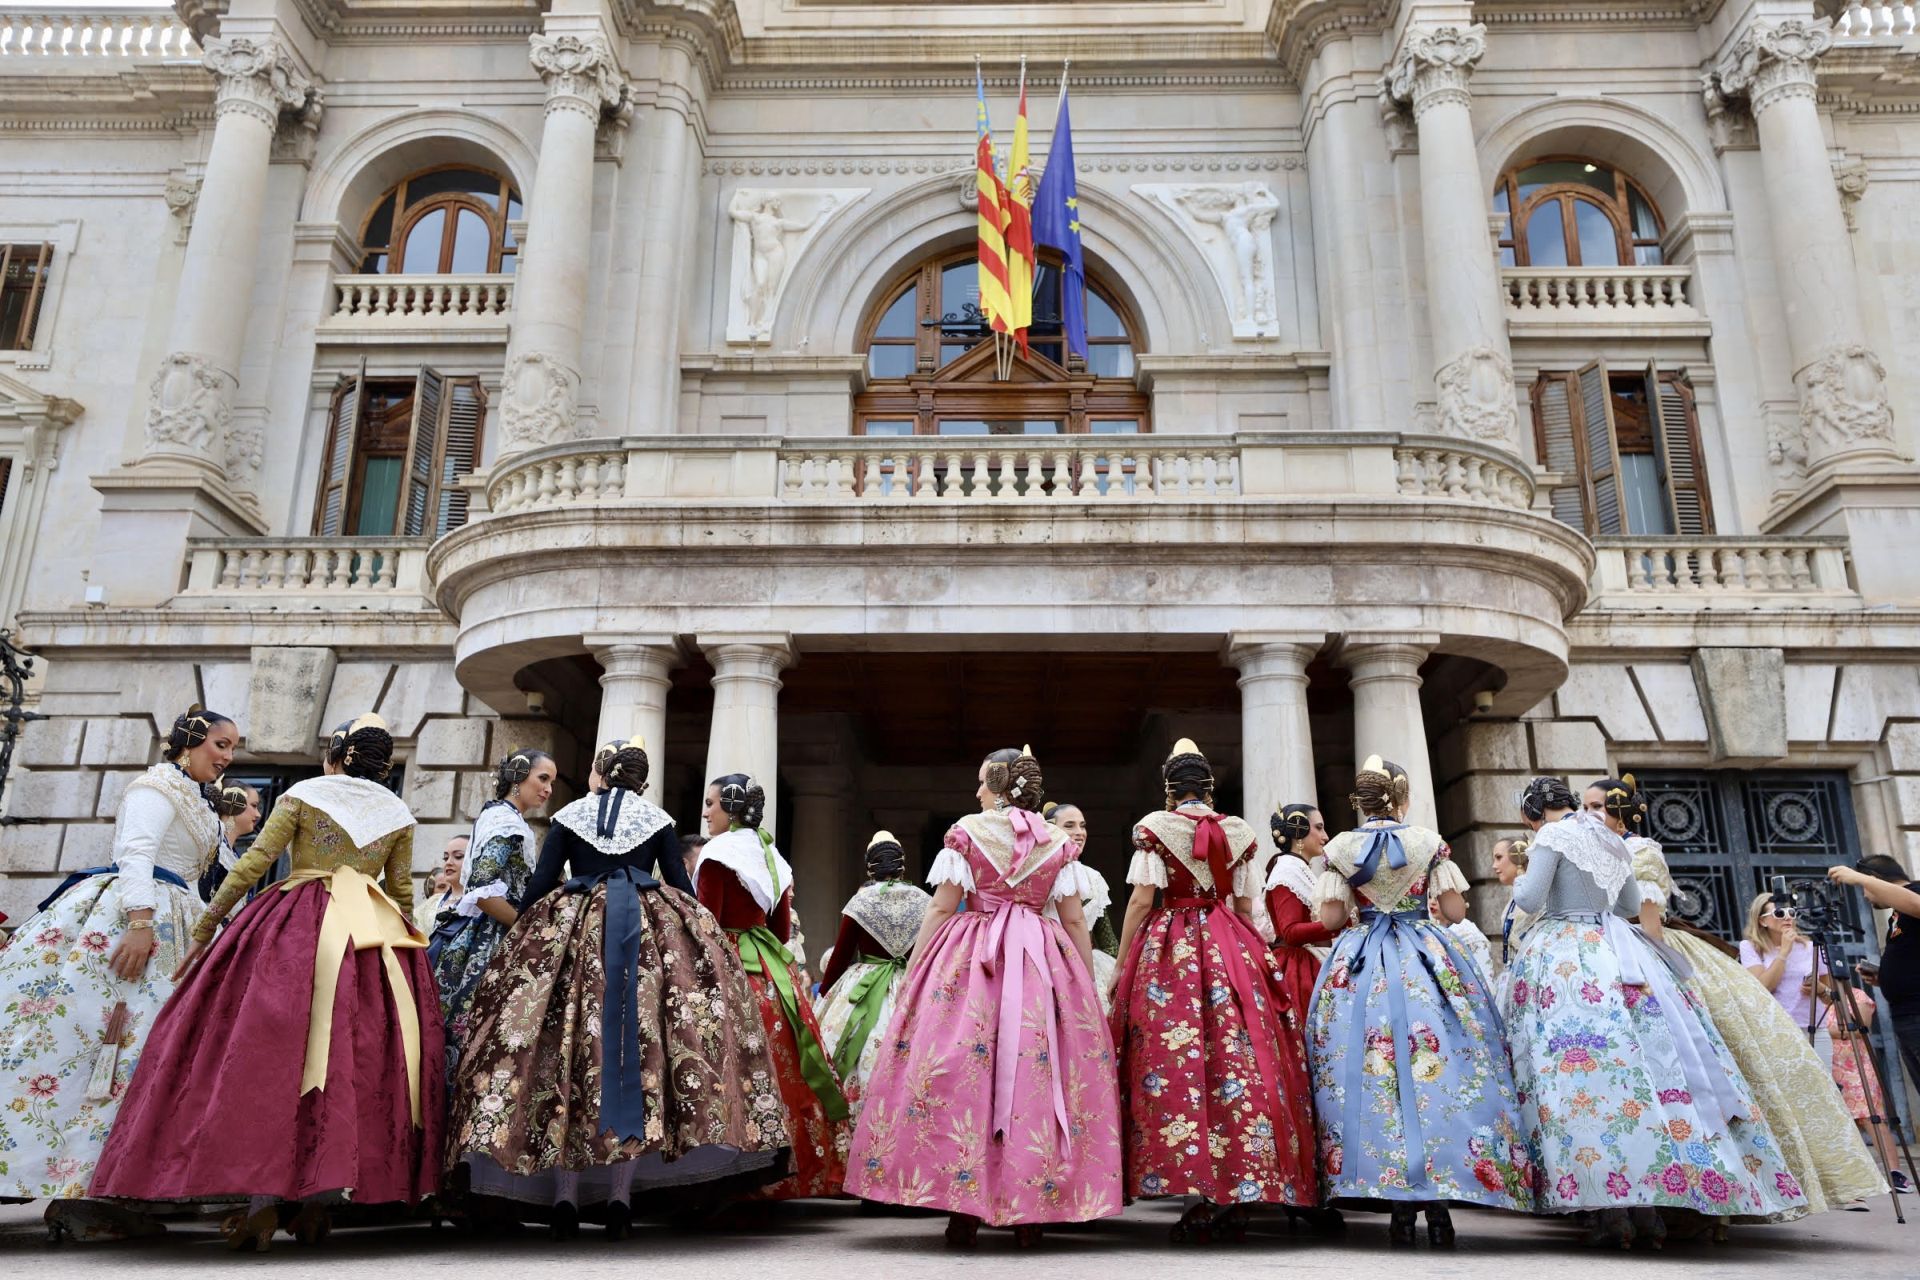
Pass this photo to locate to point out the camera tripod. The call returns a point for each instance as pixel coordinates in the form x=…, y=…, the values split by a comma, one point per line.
x=1879, y=1110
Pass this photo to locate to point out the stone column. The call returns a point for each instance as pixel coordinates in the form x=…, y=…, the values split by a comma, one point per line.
x=190, y=401
x=673, y=181
x=1384, y=674
x=635, y=678
x=1473, y=367
x=540, y=389
x=745, y=737
x=1276, y=740
x=1343, y=129
x=1844, y=414
x=826, y=857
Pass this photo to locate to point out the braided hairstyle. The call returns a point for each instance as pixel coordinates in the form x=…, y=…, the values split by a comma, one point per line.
x=1545, y=794
x=886, y=860
x=1623, y=800
x=1186, y=773
x=1380, y=790
x=742, y=799
x=516, y=769
x=1015, y=777
x=1517, y=853
x=362, y=748
x=191, y=728
x=1291, y=824
x=626, y=768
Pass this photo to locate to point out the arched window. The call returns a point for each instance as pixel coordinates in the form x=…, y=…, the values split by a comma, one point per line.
x=451, y=220
x=931, y=368
x=1569, y=212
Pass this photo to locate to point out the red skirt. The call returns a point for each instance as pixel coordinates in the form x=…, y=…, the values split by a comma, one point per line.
x=214, y=1110
x=1299, y=970
x=819, y=1143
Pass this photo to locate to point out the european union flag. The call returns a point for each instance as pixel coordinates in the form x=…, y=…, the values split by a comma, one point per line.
x=1056, y=224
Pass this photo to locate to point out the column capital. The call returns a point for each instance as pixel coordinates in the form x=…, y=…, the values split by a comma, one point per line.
x=638, y=657
x=258, y=79
x=1773, y=62
x=1270, y=655
x=749, y=656
x=1434, y=65
x=1385, y=655
x=580, y=72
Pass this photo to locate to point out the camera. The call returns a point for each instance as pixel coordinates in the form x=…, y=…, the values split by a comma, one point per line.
x=1815, y=905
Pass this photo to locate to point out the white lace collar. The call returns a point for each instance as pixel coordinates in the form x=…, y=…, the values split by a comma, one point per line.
x=1294, y=875
x=1583, y=839
x=992, y=834
x=361, y=807
x=499, y=819
x=189, y=803
x=638, y=820
x=742, y=853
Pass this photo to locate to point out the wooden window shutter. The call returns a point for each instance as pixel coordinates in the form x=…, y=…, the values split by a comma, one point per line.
x=1602, y=456
x=336, y=460
x=18, y=277
x=423, y=454
x=1558, y=445
x=1677, y=436
x=466, y=411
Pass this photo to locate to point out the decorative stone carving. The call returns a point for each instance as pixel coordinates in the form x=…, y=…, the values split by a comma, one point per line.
x=189, y=406
x=299, y=136
x=540, y=397
x=1730, y=128
x=245, y=451
x=1843, y=401
x=580, y=72
x=1403, y=138
x=1434, y=65
x=1772, y=62
x=1476, y=396
x=182, y=196
x=1231, y=223
x=256, y=78
x=771, y=229
x=1851, y=178
x=1786, y=445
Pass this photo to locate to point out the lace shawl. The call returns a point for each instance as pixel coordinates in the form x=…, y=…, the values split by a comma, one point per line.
x=1347, y=850
x=1294, y=875
x=891, y=911
x=190, y=805
x=1584, y=840
x=1173, y=833
x=363, y=809
x=742, y=853
x=498, y=821
x=992, y=835
x=638, y=820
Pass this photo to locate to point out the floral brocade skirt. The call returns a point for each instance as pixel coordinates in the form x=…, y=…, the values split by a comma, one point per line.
x=819, y=1142
x=525, y=1112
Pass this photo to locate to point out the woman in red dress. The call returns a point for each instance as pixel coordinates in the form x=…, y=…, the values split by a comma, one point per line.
x=1300, y=941
x=748, y=886
x=1214, y=1093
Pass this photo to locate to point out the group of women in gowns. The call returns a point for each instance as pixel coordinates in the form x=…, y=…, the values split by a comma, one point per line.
x=608, y=1026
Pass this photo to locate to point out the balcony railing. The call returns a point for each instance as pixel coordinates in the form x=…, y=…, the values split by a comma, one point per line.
x=356, y=573
x=1864, y=21
x=1706, y=573
x=428, y=307
x=1022, y=470
x=32, y=32
x=1598, y=294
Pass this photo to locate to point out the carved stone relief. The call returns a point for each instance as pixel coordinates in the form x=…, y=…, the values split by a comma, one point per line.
x=1231, y=224
x=771, y=229
x=539, y=401
x=189, y=406
x=1843, y=402
x=182, y=196
x=1476, y=396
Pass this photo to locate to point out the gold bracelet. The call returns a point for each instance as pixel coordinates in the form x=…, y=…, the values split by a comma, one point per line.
x=139, y=924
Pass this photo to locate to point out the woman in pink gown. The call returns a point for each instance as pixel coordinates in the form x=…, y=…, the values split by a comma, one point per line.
x=994, y=1097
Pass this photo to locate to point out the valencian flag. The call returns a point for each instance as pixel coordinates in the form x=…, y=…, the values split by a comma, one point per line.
x=996, y=301
x=1056, y=224
x=1019, y=222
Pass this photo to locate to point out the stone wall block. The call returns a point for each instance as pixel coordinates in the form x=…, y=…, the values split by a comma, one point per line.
x=113, y=785
x=1903, y=750
x=87, y=844
x=1743, y=693
x=31, y=848
x=356, y=688
x=452, y=744
x=1496, y=746
x=287, y=691
x=19, y=895
x=430, y=793
x=55, y=795
x=541, y=734
x=1572, y=747
x=429, y=843
x=120, y=742
x=419, y=690
x=49, y=744
x=475, y=790
x=1481, y=800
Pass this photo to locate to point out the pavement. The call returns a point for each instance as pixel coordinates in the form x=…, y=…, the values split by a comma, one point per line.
x=820, y=1240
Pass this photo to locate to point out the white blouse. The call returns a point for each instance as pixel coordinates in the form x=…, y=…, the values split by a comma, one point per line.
x=149, y=834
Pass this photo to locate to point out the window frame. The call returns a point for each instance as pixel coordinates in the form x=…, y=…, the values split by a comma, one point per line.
x=428, y=471
x=1661, y=383
x=405, y=217
x=1618, y=210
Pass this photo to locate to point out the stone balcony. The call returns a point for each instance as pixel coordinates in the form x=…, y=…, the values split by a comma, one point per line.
x=289, y=575
x=436, y=309
x=1648, y=301
x=1730, y=573
x=1873, y=21
x=38, y=33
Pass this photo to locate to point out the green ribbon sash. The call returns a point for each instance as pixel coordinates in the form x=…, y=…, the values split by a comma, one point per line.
x=761, y=952
x=866, y=996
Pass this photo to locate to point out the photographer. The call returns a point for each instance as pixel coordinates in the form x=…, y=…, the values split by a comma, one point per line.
x=1887, y=886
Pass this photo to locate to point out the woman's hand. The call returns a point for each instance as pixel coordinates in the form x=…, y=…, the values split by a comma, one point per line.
x=187, y=961
x=129, y=959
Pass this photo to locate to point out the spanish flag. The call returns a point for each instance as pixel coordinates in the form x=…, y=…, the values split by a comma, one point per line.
x=996, y=301
x=1019, y=222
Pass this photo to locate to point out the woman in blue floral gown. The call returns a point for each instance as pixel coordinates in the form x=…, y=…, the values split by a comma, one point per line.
x=1630, y=1098
x=1411, y=1080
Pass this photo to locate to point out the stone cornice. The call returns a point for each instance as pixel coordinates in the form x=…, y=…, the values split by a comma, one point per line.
x=134, y=633
x=1086, y=162
x=1165, y=73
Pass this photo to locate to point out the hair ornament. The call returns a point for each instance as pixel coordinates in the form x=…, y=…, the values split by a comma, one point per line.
x=882, y=837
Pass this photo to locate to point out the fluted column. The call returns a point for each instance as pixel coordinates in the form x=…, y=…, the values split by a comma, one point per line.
x=540, y=388
x=1473, y=366
x=745, y=737
x=1384, y=675
x=1844, y=413
x=190, y=401
x=1276, y=739
x=635, y=677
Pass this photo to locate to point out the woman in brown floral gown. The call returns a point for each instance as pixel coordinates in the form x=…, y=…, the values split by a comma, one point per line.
x=615, y=1047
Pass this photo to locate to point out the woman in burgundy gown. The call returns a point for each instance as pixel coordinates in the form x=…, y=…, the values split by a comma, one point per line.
x=1300, y=940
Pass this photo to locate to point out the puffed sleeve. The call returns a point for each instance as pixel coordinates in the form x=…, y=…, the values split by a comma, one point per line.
x=1654, y=880
x=272, y=841
x=1443, y=875
x=1068, y=882
x=1333, y=887
x=1149, y=866
x=1248, y=882
x=145, y=816
x=951, y=866
x=399, y=874
x=488, y=875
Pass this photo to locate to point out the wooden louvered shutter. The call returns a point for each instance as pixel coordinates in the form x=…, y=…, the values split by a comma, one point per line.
x=336, y=460
x=1677, y=437
x=1602, y=456
x=1558, y=447
x=422, y=456
x=23, y=271
x=466, y=410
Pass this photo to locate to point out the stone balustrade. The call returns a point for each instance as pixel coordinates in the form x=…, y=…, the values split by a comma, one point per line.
x=1703, y=573
x=426, y=306
x=32, y=32
x=1594, y=294
x=1022, y=470
x=1864, y=21
x=370, y=573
